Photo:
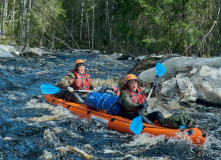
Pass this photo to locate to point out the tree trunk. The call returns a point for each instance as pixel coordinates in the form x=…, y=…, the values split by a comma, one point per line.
x=72, y=33
x=3, y=18
x=28, y=23
x=6, y=10
x=111, y=22
x=220, y=29
x=82, y=18
x=23, y=23
x=13, y=15
x=52, y=46
x=92, y=34
x=88, y=30
x=107, y=14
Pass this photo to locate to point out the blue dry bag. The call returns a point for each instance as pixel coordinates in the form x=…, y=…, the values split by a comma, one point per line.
x=103, y=101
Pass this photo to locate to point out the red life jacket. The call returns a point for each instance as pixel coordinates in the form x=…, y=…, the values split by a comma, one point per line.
x=137, y=97
x=81, y=82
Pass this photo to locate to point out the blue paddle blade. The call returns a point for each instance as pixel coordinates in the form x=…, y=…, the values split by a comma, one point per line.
x=136, y=125
x=49, y=89
x=160, y=69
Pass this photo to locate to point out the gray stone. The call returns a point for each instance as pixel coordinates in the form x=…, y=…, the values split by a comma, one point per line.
x=4, y=53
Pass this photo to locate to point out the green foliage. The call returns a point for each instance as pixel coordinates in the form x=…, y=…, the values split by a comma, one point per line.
x=130, y=26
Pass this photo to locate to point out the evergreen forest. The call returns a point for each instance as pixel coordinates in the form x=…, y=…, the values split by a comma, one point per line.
x=137, y=27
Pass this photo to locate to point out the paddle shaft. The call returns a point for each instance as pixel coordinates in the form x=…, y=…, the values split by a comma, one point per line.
x=80, y=90
x=148, y=97
x=154, y=83
x=146, y=119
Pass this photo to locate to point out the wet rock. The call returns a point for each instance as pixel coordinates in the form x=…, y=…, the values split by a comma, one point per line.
x=207, y=81
x=28, y=54
x=187, y=91
x=181, y=89
x=15, y=53
x=4, y=53
x=139, y=58
x=126, y=57
x=203, y=85
x=178, y=65
x=147, y=63
x=32, y=52
x=118, y=82
x=168, y=89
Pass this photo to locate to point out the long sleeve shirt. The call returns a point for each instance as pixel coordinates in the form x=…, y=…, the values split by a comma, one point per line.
x=126, y=101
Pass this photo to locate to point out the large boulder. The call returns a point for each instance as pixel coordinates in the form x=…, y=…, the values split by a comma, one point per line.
x=207, y=82
x=180, y=89
x=201, y=83
x=178, y=65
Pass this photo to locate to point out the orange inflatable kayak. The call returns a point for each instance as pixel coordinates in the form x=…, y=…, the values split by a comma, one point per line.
x=193, y=135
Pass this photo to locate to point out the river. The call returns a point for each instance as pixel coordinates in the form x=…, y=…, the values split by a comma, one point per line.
x=33, y=129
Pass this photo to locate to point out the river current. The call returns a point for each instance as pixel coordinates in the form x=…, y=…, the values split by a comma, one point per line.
x=30, y=128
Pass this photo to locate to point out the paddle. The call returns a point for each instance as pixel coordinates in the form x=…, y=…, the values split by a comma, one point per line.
x=136, y=125
x=50, y=89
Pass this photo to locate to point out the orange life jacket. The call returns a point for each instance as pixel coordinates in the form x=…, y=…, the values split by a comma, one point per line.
x=81, y=82
x=116, y=91
x=137, y=97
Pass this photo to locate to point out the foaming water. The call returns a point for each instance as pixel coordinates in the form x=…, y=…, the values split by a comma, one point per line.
x=33, y=129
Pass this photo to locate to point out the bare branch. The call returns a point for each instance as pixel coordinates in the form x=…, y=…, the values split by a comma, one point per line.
x=72, y=37
x=63, y=42
x=214, y=23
